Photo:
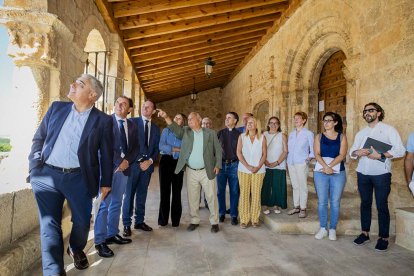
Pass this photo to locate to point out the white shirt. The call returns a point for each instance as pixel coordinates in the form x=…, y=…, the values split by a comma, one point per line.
x=275, y=149
x=252, y=153
x=381, y=132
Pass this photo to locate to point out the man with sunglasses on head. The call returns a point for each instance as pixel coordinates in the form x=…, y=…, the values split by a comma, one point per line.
x=374, y=172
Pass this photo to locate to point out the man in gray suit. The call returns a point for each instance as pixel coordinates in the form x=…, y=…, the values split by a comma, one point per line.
x=200, y=156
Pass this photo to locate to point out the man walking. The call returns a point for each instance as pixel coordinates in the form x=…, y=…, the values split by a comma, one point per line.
x=374, y=171
x=201, y=157
x=71, y=158
x=106, y=226
x=141, y=170
x=228, y=138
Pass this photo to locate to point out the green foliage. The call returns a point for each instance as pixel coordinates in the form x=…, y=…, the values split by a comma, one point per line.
x=5, y=147
x=4, y=140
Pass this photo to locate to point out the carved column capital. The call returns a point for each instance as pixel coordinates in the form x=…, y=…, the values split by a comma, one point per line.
x=33, y=36
x=352, y=69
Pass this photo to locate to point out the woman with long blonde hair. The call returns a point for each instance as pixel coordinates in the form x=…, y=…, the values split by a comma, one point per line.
x=251, y=151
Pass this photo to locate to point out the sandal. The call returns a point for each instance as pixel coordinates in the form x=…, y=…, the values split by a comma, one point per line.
x=266, y=212
x=277, y=210
x=294, y=211
x=302, y=213
x=255, y=224
x=243, y=225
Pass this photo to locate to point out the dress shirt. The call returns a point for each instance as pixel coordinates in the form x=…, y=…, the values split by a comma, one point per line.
x=228, y=138
x=196, y=159
x=381, y=132
x=169, y=141
x=300, y=146
x=65, y=151
x=410, y=146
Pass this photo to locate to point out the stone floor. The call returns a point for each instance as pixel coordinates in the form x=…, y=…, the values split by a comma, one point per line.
x=234, y=251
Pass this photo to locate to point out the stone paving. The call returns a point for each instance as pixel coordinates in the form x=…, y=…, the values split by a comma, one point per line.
x=234, y=251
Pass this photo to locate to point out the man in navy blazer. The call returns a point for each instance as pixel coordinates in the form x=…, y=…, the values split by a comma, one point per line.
x=141, y=170
x=106, y=228
x=71, y=157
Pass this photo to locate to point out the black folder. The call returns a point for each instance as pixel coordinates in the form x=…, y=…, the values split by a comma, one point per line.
x=379, y=146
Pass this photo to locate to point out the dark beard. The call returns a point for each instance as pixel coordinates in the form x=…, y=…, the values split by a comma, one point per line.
x=370, y=119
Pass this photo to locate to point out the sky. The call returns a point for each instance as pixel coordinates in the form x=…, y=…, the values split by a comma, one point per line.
x=6, y=72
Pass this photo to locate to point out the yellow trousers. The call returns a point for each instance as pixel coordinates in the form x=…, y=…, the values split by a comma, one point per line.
x=250, y=195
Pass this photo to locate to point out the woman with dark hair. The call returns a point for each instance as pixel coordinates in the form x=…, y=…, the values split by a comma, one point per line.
x=330, y=149
x=274, y=184
x=170, y=183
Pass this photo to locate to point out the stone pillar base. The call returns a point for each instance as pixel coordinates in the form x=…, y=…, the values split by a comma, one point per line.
x=405, y=227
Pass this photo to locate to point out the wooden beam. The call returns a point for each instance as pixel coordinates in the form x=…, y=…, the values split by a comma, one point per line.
x=175, y=39
x=189, y=88
x=192, y=63
x=180, y=72
x=186, y=82
x=129, y=8
x=203, y=52
x=184, y=47
x=171, y=16
x=205, y=23
x=293, y=6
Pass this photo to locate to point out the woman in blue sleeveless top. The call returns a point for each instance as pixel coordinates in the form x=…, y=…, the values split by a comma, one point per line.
x=330, y=149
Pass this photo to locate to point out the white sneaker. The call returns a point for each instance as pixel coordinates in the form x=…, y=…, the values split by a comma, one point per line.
x=322, y=233
x=332, y=234
x=266, y=212
x=277, y=210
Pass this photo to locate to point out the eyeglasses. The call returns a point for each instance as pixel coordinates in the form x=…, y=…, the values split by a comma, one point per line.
x=326, y=121
x=369, y=110
x=273, y=123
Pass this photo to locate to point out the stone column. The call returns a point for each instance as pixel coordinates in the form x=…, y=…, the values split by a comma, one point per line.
x=36, y=79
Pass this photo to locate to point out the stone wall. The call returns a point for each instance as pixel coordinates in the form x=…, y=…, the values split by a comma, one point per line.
x=209, y=104
x=377, y=38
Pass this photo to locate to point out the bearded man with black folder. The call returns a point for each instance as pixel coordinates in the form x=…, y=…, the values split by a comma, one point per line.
x=374, y=171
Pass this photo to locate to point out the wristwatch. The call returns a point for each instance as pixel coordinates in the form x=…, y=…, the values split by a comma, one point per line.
x=383, y=156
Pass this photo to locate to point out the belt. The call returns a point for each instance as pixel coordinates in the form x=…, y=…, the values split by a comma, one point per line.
x=195, y=169
x=64, y=170
x=229, y=161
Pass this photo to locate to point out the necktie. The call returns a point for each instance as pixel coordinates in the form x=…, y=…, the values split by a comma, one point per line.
x=124, y=143
x=146, y=133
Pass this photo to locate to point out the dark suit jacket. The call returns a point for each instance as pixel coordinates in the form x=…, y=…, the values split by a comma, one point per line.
x=211, y=148
x=152, y=150
x=95, y=150
x=133, y=144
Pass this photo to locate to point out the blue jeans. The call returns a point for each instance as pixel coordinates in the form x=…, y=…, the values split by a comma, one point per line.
x=107, y=220
x=51, y=188
x=329, y=186
x=228, y=173
x=381, y=185
x=137, y=188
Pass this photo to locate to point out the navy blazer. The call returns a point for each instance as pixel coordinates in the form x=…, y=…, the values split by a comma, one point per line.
x=95, y=150
x=133, y=144
x=153, y=145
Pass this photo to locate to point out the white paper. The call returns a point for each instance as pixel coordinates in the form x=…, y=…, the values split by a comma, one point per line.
x=321, y=106
x=328, y=160
x=95, y=207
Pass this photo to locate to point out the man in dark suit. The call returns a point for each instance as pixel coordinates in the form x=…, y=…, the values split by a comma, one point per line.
x=71, y=157
x=125, y=132
x=141, y=169
x=200, y=156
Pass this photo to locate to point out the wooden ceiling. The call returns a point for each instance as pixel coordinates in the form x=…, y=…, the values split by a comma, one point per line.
x=167, y=41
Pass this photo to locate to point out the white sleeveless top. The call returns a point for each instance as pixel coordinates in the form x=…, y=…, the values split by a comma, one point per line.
x=275, y=149
x=252, y=152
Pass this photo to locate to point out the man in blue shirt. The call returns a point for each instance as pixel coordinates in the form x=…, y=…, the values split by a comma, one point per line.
x=70, y=159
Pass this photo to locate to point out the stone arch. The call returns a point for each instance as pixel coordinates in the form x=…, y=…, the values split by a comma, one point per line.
x=261, y=112
x=303, y=66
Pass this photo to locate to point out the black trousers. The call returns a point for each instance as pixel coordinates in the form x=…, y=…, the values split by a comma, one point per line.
x=170, y=191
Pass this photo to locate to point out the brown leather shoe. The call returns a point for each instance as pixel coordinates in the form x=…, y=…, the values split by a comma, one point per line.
x=79, y=259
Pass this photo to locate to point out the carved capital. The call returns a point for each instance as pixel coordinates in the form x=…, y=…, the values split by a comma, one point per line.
x=33, y=36
x=351, y=69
